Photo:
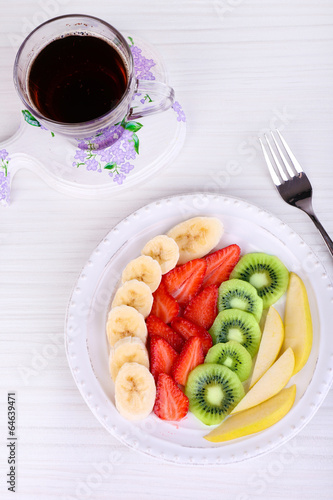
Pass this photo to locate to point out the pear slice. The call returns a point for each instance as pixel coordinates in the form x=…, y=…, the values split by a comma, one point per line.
x=297, y=322
x=276, y=377
x=270, y=345
x=255, y=419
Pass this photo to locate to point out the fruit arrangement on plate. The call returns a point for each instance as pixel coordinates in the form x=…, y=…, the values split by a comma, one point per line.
x=193, y=329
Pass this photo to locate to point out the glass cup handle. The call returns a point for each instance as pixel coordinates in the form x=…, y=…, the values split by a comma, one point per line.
x=157, y=97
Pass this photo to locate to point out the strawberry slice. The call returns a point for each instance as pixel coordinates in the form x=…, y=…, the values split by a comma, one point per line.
x=171, y=403
x=191, y=356
x=188, y=329
x=156, y=326
x=183, y=282
x=202, y=310
x=162, y=356
x=165, y=306
x=220, y=264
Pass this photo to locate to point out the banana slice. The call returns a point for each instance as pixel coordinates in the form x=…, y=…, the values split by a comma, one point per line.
x=144, y=269
x=164, y=250
x=127, y=350
x=196, y=237
x=124, y=321
x=135, y=391
x=135, y=294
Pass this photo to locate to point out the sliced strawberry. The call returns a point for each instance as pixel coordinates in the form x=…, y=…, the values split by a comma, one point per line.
x=171, y=403
x=202, y=310
x=162, y=356
x=156, y=326
x=188, y=329
x=191, y=356
x=165, y=306
x=220, y=264
x=183, y=282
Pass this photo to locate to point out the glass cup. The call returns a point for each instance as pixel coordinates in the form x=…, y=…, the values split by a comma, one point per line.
x=75, y=24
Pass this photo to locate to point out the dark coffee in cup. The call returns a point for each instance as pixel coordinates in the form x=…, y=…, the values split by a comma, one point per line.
x=76, y=75
x=77, y=78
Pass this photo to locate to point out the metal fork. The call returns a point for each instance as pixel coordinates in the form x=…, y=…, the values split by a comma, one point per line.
x=290, y=180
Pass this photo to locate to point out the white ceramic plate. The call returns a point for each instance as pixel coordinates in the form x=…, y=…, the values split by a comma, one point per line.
x=87, y=350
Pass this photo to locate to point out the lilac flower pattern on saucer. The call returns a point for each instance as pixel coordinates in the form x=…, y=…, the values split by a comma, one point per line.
x=141, y=63
x=179, y=110
x=4, y=178
x=114, y=159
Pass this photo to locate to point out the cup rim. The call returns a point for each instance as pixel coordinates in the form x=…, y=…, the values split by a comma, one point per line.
x=88, y=123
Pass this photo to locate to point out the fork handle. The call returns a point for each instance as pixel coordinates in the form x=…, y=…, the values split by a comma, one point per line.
x=322, y=231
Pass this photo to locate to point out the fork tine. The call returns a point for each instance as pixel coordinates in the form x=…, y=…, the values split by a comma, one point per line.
x=293, y=160
x=277, y=162
x=284, y=159
x=269, y=164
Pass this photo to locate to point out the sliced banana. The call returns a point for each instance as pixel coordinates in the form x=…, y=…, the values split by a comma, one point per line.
x=164, y=250
x=145, y=269
x=135, y=294
x=125, y=321
x=135, y=391
x=196, y=237
x=127, y=350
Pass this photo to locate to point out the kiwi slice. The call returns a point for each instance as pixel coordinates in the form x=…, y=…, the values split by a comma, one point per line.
x=266, y=273
x=238, y=294
x=233, y=324
x=232, y=355
x=213, y=391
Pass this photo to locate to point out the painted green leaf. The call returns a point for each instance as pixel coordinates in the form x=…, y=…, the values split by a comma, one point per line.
x=110, y=166
x=131, y=40
x=122, y=123
x=30, y=119
x=133, y=126
x=135, y=139
x=4, y=166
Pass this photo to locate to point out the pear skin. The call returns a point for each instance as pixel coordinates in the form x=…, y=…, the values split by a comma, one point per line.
x=255, y=419
x=298, y=332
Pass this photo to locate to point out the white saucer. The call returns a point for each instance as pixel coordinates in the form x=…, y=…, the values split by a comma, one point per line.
x=86, y=345
x=144, y=149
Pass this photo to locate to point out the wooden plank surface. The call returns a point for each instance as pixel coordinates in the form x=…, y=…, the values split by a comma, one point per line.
x=238, y=66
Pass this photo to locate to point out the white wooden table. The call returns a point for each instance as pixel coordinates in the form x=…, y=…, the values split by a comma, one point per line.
x=239, y=67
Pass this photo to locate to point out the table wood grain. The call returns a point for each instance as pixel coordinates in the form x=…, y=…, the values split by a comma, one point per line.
x=239, y=67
